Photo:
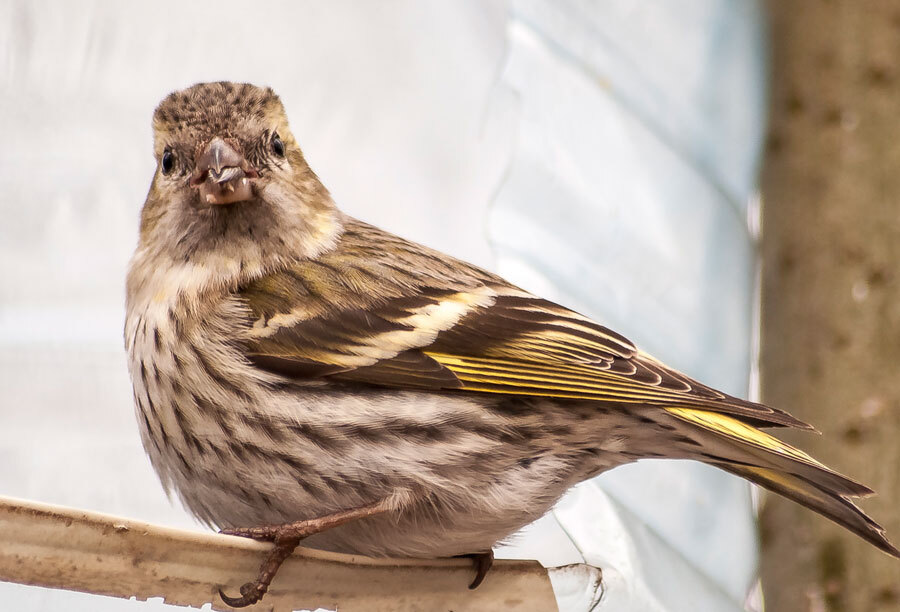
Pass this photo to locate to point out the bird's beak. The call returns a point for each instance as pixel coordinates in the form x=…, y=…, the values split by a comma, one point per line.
x=221, y=174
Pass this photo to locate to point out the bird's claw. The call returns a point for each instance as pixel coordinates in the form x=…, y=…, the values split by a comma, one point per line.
x=250, y=594
x=482, y=562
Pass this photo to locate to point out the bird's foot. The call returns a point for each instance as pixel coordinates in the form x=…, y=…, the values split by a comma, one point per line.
x=252, y=592
x=482, y=562
x=286, y=538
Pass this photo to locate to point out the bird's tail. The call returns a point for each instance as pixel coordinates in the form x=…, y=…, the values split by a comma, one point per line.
x=739, y=448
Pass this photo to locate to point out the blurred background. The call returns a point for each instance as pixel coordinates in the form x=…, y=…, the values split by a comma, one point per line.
x=605, y=154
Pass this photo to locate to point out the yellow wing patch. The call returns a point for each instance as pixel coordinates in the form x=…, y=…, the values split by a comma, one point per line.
x=563, y=381
x=733, y=428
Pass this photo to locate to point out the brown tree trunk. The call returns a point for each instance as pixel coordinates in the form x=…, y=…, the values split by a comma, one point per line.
x=831, y=289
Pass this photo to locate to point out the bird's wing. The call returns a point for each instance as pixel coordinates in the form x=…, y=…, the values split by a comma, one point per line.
x=379, y=310
x=382, y=311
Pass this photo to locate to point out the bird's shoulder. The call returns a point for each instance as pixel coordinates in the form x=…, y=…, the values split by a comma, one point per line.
x=377, y=296
x=366, y=268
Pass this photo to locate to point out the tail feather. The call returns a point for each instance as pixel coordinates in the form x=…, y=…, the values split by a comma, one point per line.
x=745, y=444
x=827, y=503
x=741, y=449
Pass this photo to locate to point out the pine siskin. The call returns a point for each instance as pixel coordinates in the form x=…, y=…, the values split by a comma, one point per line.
x=299, y=374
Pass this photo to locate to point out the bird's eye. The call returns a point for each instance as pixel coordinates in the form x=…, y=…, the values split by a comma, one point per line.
x=168, y=161
x=277, y=145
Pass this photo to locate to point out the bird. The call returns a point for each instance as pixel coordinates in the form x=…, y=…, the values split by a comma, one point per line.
x=299, y=374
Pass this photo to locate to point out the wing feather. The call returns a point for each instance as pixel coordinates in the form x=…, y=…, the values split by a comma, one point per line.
x=409, y=317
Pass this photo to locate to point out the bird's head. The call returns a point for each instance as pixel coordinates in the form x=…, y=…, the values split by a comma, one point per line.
x=231, y=180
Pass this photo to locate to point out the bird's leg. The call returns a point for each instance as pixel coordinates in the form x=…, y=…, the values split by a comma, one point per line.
x=482, y=562
x=286, y=538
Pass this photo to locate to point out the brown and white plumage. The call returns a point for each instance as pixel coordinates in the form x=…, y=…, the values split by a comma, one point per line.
x=289, y=361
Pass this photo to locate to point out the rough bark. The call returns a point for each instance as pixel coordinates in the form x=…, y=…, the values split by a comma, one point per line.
x=831, y=289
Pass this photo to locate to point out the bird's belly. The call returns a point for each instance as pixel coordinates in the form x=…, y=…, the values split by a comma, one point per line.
x=312, y=453
x=472, y=489
x=242, y=450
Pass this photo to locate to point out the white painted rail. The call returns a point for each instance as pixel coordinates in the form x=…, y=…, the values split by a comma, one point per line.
x=65, y=548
